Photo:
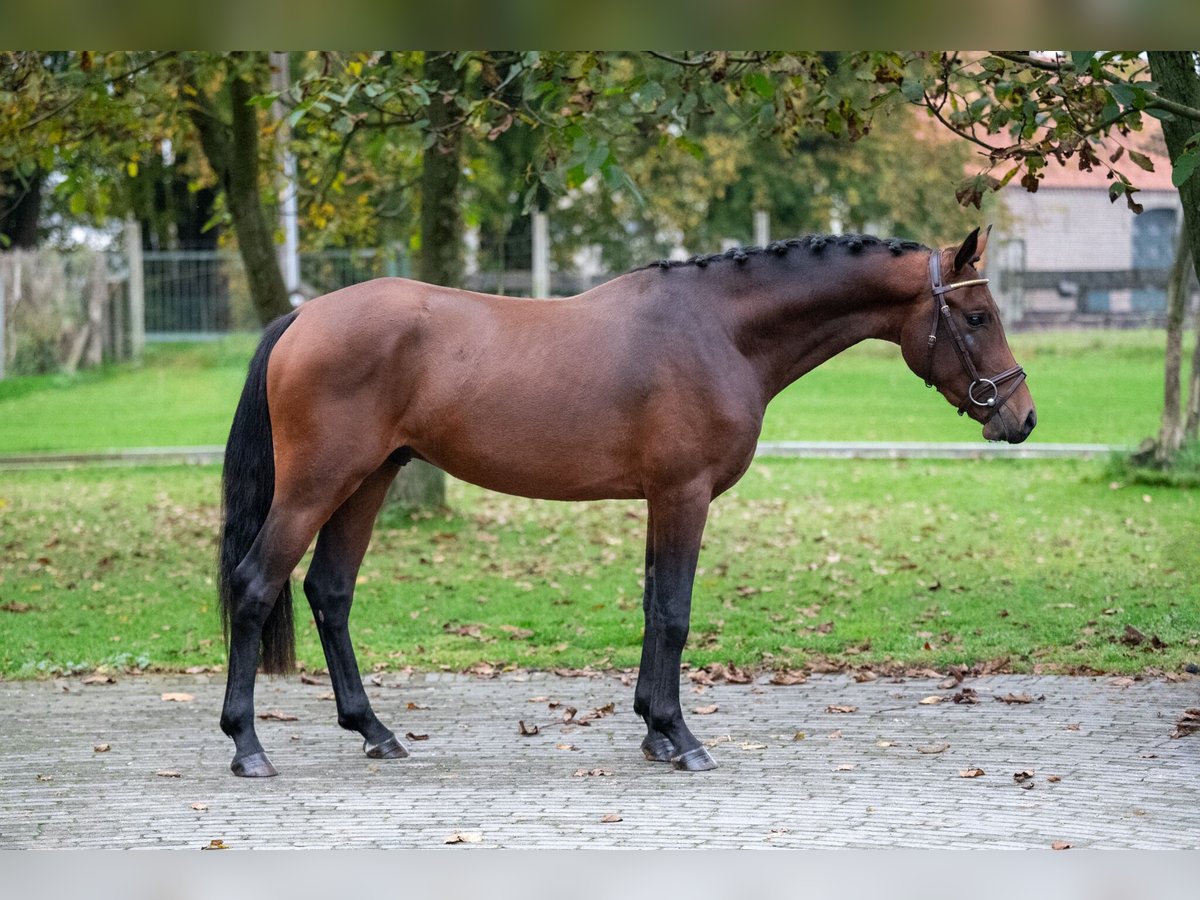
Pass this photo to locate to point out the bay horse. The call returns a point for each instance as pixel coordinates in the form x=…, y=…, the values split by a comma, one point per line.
x=650, y=386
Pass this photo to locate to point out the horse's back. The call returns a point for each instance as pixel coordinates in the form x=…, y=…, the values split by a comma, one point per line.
x=564, y=399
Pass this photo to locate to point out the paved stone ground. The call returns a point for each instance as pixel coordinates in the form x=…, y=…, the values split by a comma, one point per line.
x=856, y=779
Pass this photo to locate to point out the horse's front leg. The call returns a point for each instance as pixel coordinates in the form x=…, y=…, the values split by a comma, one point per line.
x=656, y=746
x=677, y=526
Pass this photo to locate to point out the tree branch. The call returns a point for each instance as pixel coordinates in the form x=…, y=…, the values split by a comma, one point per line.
x=1153, y=100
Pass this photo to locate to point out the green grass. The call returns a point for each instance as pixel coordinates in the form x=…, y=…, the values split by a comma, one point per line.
x=1091, y=387
x=923, y=563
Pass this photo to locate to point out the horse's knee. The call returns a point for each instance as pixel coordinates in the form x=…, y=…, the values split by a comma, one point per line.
x=254, y=598
x=675, y=632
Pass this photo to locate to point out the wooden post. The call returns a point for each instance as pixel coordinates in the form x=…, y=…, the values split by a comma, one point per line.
x=137, y=289
x=541, y=255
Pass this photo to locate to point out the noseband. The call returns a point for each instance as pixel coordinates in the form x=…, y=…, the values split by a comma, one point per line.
x=978, y=383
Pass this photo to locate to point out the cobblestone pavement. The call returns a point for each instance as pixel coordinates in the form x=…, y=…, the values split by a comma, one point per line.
x=871, y=777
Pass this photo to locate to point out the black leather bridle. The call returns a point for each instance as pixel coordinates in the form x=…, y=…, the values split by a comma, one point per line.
x=942, y=311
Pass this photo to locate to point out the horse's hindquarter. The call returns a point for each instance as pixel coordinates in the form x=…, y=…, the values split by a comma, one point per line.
x=583, y=398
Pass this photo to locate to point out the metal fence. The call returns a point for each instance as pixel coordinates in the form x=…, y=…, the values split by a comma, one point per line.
x=202, y=294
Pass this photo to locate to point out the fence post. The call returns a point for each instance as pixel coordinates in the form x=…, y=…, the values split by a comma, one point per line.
x=762, y=227
x=137, y=288
x=541, y=255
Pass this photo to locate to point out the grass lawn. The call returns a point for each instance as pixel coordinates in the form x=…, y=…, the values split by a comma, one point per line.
x=1090, y=387
x=1044, y=563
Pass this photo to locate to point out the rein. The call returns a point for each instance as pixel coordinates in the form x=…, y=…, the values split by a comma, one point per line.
x=941, y=310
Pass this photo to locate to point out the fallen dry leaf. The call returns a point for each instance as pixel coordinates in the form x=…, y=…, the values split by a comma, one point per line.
x=723, y=739
x=841, y=709
x=277, y=715
x=1023, y=776
x=177, y=697
x=931, y=700
x=169, y=773
x=835, y=735
x=1054, y=779
x=971, y=773
x=966, y=695
x=200, y=807
x=1060, y=845
x=14, y=606
x=538, y=699
x=215, y=844
x=416, y=737
x=565, y=747
x=706, y=710
x=1072, y=726
x=610, y=818
x=526, y=730
x=327, y=695
x=751, y=745
x=934, y=748
x=464, y=837
x=99, y=678
x=101, y=748
x=789, y=676
x=413, y=706
x=516, y=633
x=1188, y=723
x=886, y=744
x=799, y=736
x=45, y=777
x=313, y=679
x=862, y=676
x=1018, y=698
x=590, y=773
x=846, y=767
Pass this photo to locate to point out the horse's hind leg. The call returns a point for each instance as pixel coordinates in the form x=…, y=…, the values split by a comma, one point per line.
x=656, y=746
x=329, y=586
x=256, y=584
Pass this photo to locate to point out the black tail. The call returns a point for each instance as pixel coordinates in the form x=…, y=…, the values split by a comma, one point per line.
x=248, y=485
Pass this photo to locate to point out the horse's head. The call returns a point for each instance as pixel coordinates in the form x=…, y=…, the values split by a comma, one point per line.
x=953, y=339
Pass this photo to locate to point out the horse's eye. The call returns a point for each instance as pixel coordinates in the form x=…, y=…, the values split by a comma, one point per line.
x=976, y=319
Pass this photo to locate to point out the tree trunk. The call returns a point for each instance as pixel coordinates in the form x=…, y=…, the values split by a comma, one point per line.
x=420, y=485
x=232, y=151
x=20, y=210
x=1175, y=72
x=1170, y=434
x=1191, y=425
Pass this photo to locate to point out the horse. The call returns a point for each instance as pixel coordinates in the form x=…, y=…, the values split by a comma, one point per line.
x=651, y=386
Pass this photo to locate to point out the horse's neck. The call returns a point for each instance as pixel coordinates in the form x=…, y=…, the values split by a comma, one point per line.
x=790, y=324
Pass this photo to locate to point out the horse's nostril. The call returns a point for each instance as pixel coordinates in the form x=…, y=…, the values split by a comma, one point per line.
x=1030, y=421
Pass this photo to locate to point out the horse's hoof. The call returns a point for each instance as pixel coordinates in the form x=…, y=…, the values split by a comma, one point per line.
x=256, y=765
x=389, y=749
x=695, y=760
x=659, y=749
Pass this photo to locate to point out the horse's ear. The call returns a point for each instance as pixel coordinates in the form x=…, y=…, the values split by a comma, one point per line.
x=967, y=252
x=981, y=250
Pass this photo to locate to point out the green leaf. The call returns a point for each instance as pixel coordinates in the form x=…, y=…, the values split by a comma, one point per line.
x=912, y=89
x=759, y=83
x=689, y=146
x=1122, y=93
x=1082, y=59
x=1115, y=190
x=1183, y=167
